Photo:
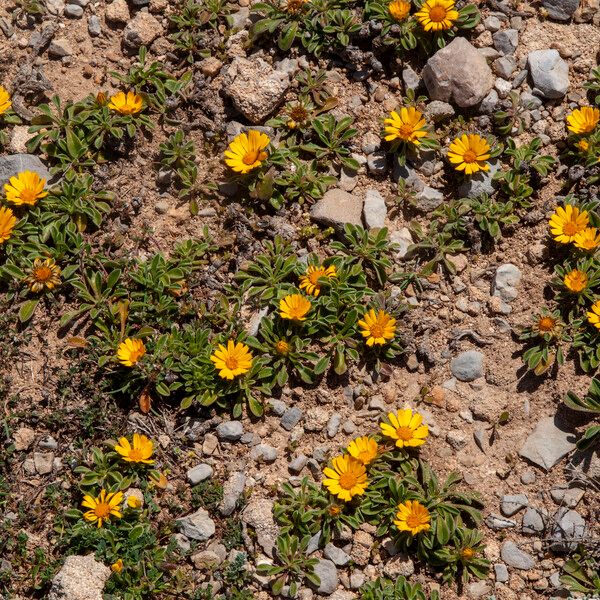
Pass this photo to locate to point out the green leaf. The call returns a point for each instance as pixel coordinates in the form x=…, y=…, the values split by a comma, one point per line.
x=27, y=309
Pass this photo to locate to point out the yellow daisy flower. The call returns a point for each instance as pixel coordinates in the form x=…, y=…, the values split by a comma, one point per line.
x=134, y=502
x=117, y=566
x=545, y=324
x=399, y=9
x=247, y=151
x=576, y=281
x=44, y=274
x=378, y=327
x=437, y=15
x=406, y=428
x=567, y=222
x=130, y=351
x=469, y=153
x=583, y=120
x=593, y=314
x=583, y=145
x=102, y=507
x=25, y=188
x=128, y=103
x=294, y=307
x=364, y=449
x=233, y=360
x=309, y=282
x=587, y=239
x=346, y=478
x=5, y=102
x=7, y=223
x=413, y=517
x=408, y=125
x=282, y=347
x=139, y=452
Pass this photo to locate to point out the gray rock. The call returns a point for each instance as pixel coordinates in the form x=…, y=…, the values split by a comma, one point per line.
x=230, y=431
x=336, y=208
x=336, y=555
x=497, y=523
x=403, y=240
x=560, y=10
x=94, y=26
x=371, y=142
x=514, y=557
x=48, y=443
x=333, y=424
x=264, y=453
x=501, y=573
x=278, y=406
x=489, y=103
x=511, y=504
x=530, y=102
x=82, y=3
x=55, y=7
x=505, y=282
x=142, y=30
x=439, y=111
x=428, y=199
x=504, y=66
x=550, y=441
x=313, y=543
x=492, y=23
x=327, y=573
x=479, y=183
x=503, y=87
x=80, y=578
x=399, y=565
x=60, y=47
x=457, y=439
x=258, y=514
x=290, y=418
x=348, y=179
x=528, y=477
x=407, y=175
x=377, y=163
x=506, y=41
x=240, y=18
x=197, y=526
x=411, y=80
x=117, y=13
x=568, y=531
x=458, y=73
x=199, y=473
x=478, y=589
x=549, y=73
x=298, y=463
x=566, y=496
x=534, y=521
x=232, y=492
x=73, y=11
x=255, y=87
x=467, y=366
x=43, y=462
x=14, y=164
x=374, y=209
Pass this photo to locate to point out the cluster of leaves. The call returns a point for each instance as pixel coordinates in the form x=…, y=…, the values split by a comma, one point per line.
x=400, y=589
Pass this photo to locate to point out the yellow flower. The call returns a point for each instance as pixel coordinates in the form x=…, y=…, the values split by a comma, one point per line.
x=7, y=223
x=583, y=145
x=130, y=351
x=347, y=478
x=583, y=120
x=44, y=274
x=140, y=451
x=378, y=327
x=587, y=239
x=406, y=428
x=25, y=188
x=408, y=125
x=126, y=104
x=293, y=6
x=5, y=102
x=576, y=281
x=294, y=307
x=282, y=347
x=437, y=15
x=364, y=449
x=334, y=510
x=413, y=517
x=232, y=361
x=593, y=314
x=469, y=153
x=102, y=507
x=134, y=502
x=309, y=282
x=545, y=324
x=467, y=554
x=246, y=152
x=399, y=9
x=567, y=222
x=117, y=566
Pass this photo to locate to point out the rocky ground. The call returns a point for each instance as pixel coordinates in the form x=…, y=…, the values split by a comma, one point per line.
x=503, y=429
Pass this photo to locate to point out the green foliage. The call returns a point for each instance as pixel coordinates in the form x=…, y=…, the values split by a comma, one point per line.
x=590, y=404
x=178, y=157
x=400, y=589
x=593, y=85
x=546, y=337
x=435, y=244
x=581, y=573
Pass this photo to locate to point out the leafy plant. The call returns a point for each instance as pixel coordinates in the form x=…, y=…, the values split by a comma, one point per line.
x=178, y=157
x=590, y=404
x=400, y=589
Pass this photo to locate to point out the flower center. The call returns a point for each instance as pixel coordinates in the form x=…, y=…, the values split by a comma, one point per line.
x=135, y=454
x=546, y=324
x=42, y=274
x=405, y=131
x=437, y=14
x=404, y=433
x=251, y=157
x=468, y=553
x=364, y=456
x=570, y=228
x=347, y=480
x=282, y=347
x=231, y=362
x=28, y=196
x=102, y=510
x=469, y=156
x=414, y=520
x=377, y=330
x=314, y=276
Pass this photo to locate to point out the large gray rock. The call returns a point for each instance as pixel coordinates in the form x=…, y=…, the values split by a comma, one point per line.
x=374, y=210
x=458, y=73
x=506, y=41
x=258, y=515
x=467, y=366
x=230, y=431
x=549, y=73
x=255, y=87
x=336, y=208
x=505, y=283
x=479, y=183
x=197, y=526
x=327, y=573
x=142, y=30
x=80, y=578
x=514, y=557
x=548, y=443
x=232, y=492
x=511, y=504
x=534, y=521
x=199, y=473
x=568, y=532
x=560, y=10
x=428, y=199
x=14, y=164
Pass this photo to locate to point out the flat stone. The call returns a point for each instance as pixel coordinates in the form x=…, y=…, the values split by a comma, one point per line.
x=23, y=438
x=428, y=199
x=117, y=13
x=94, y=26
x=567, y=496
x=514, y=557
x=230, y=431
x=548, y=443
x=561, y=10
x=403, y=240
x=80, y=578
x=264, y=453
x=467, y=366
x=336, y=555
x=497, y=523
x=511, y=504
x=59, y=47
x=458, y=73
x=206, y=559
x=377, y=163
x=479, y=183
x=399, y=565
x=43, y=462
x=534, y=521
x=232, y=492
x=568, y=531
x=501, y=573
x=258, y=514
x=197, y=526
x=142, y=30
x=505, y=282
x=549, y=73
x=14, y=164
x=73, y=11
x=327, y=573
x=439, y=111
x=506, y=41
x=336, y=208
x=374, y=210
x=199, y=473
